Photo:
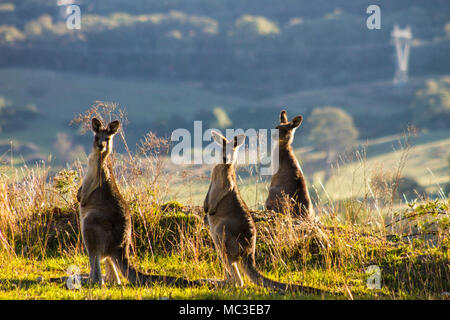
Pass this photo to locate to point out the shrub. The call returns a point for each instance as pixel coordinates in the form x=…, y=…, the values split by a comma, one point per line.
x=431, y=105
x=410, y=188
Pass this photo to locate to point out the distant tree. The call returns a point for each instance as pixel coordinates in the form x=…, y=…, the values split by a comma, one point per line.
x=248, y=28
x=409, y=189
x=333, y=131
x=39, y=26
x=431, y=105
x=13, y=117
x=216, y=118
x=222, y=120
x=65, y=149
x=9, y=34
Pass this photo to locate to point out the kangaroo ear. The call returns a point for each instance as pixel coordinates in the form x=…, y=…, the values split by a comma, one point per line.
x=218, y=138
x=283, y=117
x=96, y=125
x=113, y=127
x=297, y=121
x=238, y=140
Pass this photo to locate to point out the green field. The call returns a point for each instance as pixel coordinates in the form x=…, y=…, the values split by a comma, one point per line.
x=426, y=162
x=22, y=280
x=60, y=97
x=331, y=255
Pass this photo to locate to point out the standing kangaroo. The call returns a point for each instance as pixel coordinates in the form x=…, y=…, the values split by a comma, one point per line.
x=105, y=216
x=230, y=223
x=288, y=186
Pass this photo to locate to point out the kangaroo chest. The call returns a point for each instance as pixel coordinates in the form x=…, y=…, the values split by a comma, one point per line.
x=96, y=175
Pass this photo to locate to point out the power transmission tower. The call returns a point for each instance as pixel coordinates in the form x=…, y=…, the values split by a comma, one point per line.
x=401, y=38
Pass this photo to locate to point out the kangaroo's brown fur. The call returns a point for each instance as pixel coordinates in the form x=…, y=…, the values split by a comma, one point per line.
x=288, y=188
x=105, y=216
x=231, y=225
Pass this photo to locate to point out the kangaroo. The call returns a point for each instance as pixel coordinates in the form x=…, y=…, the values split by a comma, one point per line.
x=289, y=181
x=231, y=226
x=105, y=217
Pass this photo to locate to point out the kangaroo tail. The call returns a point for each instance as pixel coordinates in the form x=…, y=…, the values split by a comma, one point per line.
x=250, y=269
x=138, y=278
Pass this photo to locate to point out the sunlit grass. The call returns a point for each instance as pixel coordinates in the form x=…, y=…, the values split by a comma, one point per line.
x=40, y=235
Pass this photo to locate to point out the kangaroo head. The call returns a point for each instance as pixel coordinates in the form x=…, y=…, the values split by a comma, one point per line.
x=103, y=136
x=229, y=148
x=287, y=129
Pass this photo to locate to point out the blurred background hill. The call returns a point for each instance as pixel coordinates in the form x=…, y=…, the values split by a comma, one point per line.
x=171, y=62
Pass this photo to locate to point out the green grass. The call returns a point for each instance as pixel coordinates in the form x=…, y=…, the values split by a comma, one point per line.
x=27, y=276
x=25, y=279
x=172, y=239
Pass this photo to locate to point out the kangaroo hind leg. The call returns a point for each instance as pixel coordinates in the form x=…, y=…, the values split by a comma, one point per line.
x=112, y=274
x=95, y=274
x=231, y=270
x=236, y=275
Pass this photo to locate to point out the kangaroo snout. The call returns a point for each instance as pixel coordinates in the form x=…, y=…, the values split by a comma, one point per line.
x=101, y=146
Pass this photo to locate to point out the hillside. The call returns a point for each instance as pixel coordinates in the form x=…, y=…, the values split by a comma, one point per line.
x=59, y=97
x=254, y=48
x=426, y=162
x=358, y=99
